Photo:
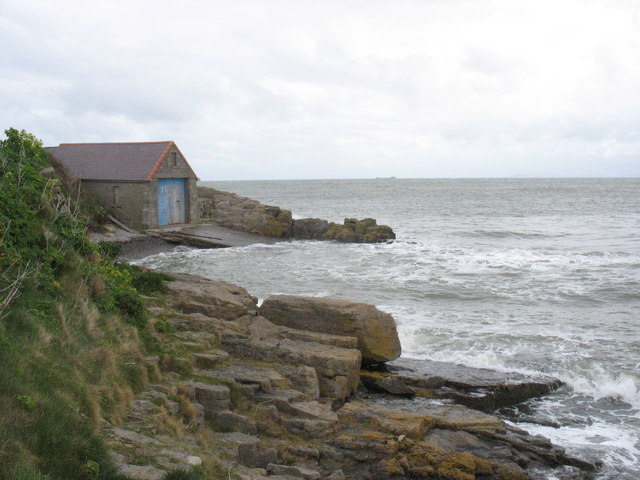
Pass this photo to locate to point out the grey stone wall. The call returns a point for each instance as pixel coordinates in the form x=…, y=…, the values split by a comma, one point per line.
x=134, y=207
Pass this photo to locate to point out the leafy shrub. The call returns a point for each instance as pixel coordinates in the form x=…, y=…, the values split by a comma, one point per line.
x=109, y=250
x=149, y=282
x=122, y=295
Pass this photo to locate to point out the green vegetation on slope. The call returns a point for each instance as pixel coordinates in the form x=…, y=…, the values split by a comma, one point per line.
x=70, y=351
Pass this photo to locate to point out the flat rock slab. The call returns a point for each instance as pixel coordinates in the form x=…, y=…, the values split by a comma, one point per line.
x=211, y=236
x=211, y=359
x=478, y=388
x=411, y=425
x=267, y=378
x=313, y=410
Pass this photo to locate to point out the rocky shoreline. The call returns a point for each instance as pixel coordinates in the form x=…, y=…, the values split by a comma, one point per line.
x=309, y=388
x=245, y=214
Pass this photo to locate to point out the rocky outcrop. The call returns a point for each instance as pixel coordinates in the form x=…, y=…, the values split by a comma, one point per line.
x=351, y=231
x=477, y=388
x=375, y=330
x=242, y=397
x=359, y=231
x=247, y=215
x=242, y=213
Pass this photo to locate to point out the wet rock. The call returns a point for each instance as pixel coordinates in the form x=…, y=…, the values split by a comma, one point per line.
x=360, y=231
x=375, y=330
x=309, y=228
x=476, y=388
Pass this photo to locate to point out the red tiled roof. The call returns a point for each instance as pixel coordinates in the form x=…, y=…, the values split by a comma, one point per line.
x=112, y=161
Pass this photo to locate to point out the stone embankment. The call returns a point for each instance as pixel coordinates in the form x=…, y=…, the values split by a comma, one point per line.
x=248, y=215
x=277, y=392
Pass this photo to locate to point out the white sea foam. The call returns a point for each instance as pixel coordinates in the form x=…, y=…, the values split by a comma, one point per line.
x=601, y=384
x=616, y=446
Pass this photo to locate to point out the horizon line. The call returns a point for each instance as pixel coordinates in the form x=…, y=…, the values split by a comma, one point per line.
x=427, y=178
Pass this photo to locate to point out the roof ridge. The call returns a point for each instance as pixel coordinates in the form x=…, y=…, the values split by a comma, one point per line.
x=156, y=166
x=116, y=143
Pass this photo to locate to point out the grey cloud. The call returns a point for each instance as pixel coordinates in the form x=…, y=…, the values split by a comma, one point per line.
x=290, y=89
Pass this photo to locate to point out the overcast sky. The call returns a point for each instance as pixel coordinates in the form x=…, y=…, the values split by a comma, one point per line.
x=335, y=89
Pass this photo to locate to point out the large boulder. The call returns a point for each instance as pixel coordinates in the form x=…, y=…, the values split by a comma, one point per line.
x=194, y=294
x=375, y=330
x=309, y=228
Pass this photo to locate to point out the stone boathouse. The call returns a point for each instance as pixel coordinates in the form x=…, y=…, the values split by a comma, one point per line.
x=142, y=184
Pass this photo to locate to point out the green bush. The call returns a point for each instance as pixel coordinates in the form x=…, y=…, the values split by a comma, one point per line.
x=148, y=282
x=122, y=295
x=109, y=250
x=38, y=222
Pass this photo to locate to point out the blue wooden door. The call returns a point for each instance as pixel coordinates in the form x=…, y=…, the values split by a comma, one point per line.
x=171, y=200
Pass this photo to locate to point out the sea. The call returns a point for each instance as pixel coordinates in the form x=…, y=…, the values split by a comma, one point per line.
x=538, y=276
